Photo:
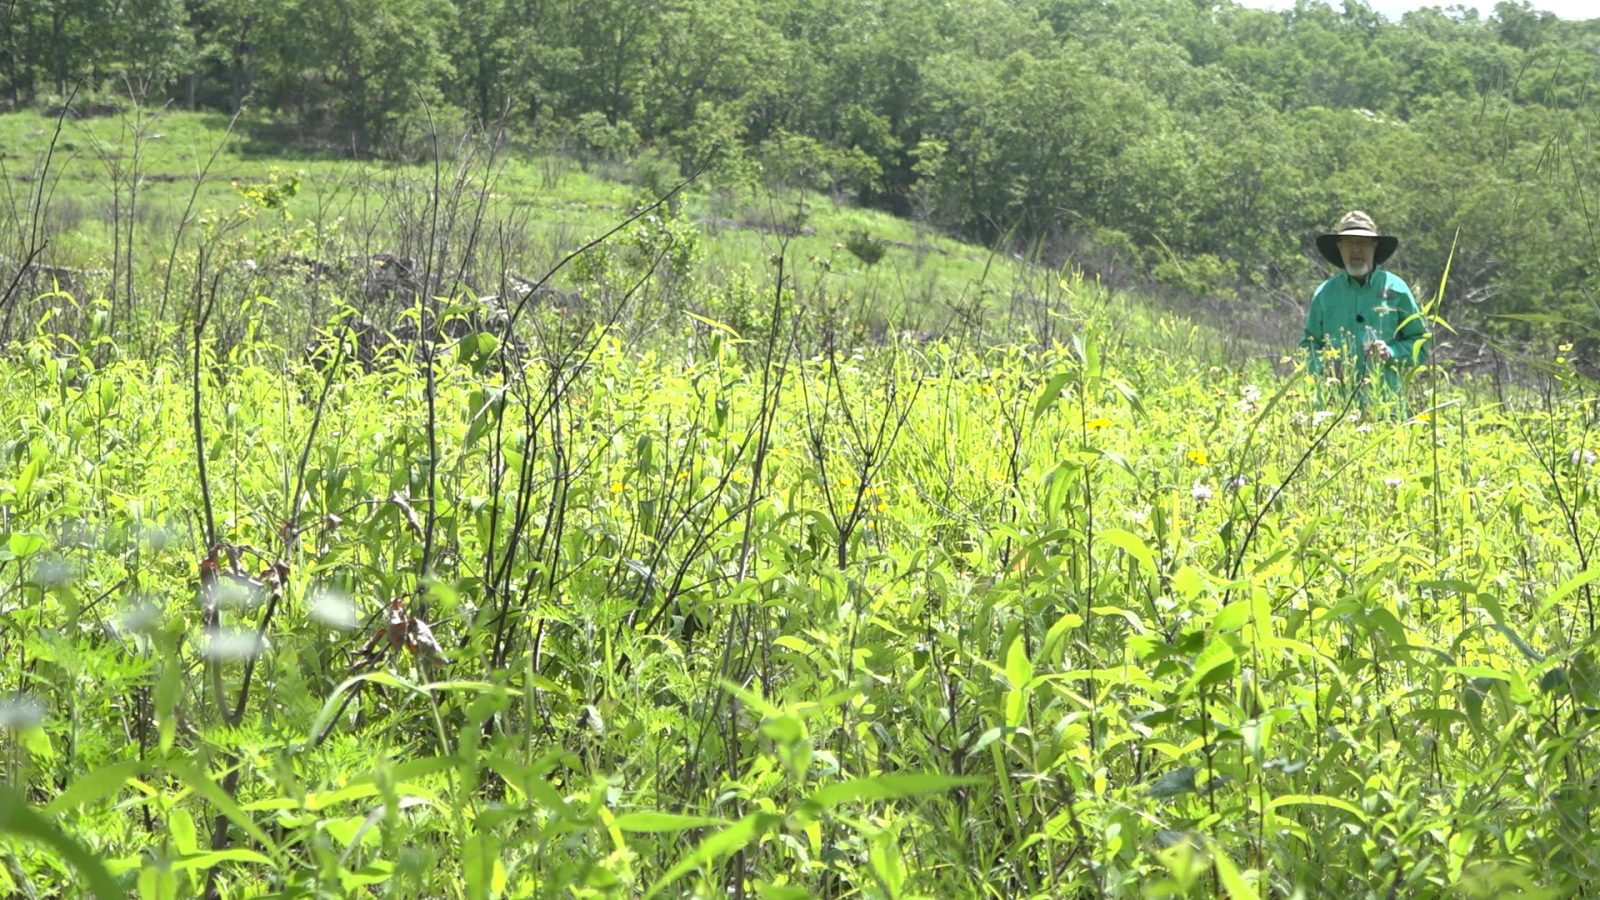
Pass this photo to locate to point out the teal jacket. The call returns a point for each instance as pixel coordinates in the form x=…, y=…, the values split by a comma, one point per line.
x=1346, y=315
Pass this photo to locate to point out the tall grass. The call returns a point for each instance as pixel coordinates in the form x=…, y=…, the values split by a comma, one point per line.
x=1115, y=646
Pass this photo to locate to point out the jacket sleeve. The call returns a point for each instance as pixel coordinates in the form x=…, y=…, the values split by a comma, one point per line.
x=1410, y=344
x=1314, y=337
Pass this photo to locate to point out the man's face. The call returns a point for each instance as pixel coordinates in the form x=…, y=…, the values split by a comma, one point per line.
x=1357, y=253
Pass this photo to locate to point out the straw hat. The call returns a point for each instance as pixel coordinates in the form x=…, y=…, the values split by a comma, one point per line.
x=1356, y=224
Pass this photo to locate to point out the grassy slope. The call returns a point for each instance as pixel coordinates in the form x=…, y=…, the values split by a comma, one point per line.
x=925, y=283
x=1047, y=590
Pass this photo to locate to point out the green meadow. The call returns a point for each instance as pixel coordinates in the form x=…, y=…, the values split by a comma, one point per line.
x=742, y=566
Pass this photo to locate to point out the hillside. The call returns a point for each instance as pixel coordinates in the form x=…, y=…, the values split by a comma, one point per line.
x=1197, y=144
x=126, y=211
x=771, y=547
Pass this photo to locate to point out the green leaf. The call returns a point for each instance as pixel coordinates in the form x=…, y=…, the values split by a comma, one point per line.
x=1052, y=390
x=330, y=707
x=1131, y=396
x=1232, y=881
x=201, y=784
x=1130, y=544
x=726, y=842
x=26, y=478
x=1567, y=587
x=1189, y=582
x=485, y=874
x=158, y=882
x=1516, y=640
x=985, y=739
x=203, y=861
x=169, y=688
x=23, y=545
x=885, y=787
x=181, y=826
x=1178, y=781
x=713, y=323
x=1058, y=632
x=1232, y=617
x=1213, y=665
x=659, y=821
x=94, y=786
x=1318, y=800
x=18, y=818
x=1019, y=671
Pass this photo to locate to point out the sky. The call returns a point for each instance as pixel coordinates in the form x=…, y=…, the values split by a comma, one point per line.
x=1394, y=9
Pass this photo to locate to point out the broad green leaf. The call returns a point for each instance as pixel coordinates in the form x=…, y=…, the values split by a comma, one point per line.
x=484, y=873
x=724, y=843
x=1130, y=544
x=1233, y=617
x=25, y=479
x=782, y=892
x=1213, y=665
x=1178, y=781
x=331, y=706
x=1052, y=390
x=1189, y=582
x=1058, y=632
x=180, y=825
x=1019, y=671
x=713, y=323
x=202, y=784
x=319, y=801
x=24, y=544
x=96, y=785
x=158, y=882
x=985, y=739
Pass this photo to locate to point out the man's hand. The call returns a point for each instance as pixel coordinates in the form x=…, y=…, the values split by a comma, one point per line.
x=1380, y=351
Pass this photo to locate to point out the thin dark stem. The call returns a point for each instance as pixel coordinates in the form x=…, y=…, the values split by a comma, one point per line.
x=427, y=325
x=36, y=244
x=202, y=316
x=188, y=212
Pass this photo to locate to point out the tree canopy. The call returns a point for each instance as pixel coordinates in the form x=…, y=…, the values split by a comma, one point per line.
x=1203, y=142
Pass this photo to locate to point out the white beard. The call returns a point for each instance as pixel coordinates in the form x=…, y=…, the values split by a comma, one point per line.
x=1358, y=270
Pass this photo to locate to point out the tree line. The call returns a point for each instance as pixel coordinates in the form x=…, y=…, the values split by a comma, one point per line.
x=1196, y=143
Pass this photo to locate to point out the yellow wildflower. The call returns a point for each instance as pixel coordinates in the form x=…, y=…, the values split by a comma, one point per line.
x=1198, y=457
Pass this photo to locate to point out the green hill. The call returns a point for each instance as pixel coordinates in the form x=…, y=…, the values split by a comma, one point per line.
x=775, y=547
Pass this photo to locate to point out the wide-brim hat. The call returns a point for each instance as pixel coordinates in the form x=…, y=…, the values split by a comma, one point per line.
x=1356, y=224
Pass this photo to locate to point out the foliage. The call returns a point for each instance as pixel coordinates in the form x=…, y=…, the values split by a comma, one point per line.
x=600, y=618
x=865, y=247
x=1208, y=131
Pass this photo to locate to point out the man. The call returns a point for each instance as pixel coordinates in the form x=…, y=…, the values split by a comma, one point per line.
x=1364, y=324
